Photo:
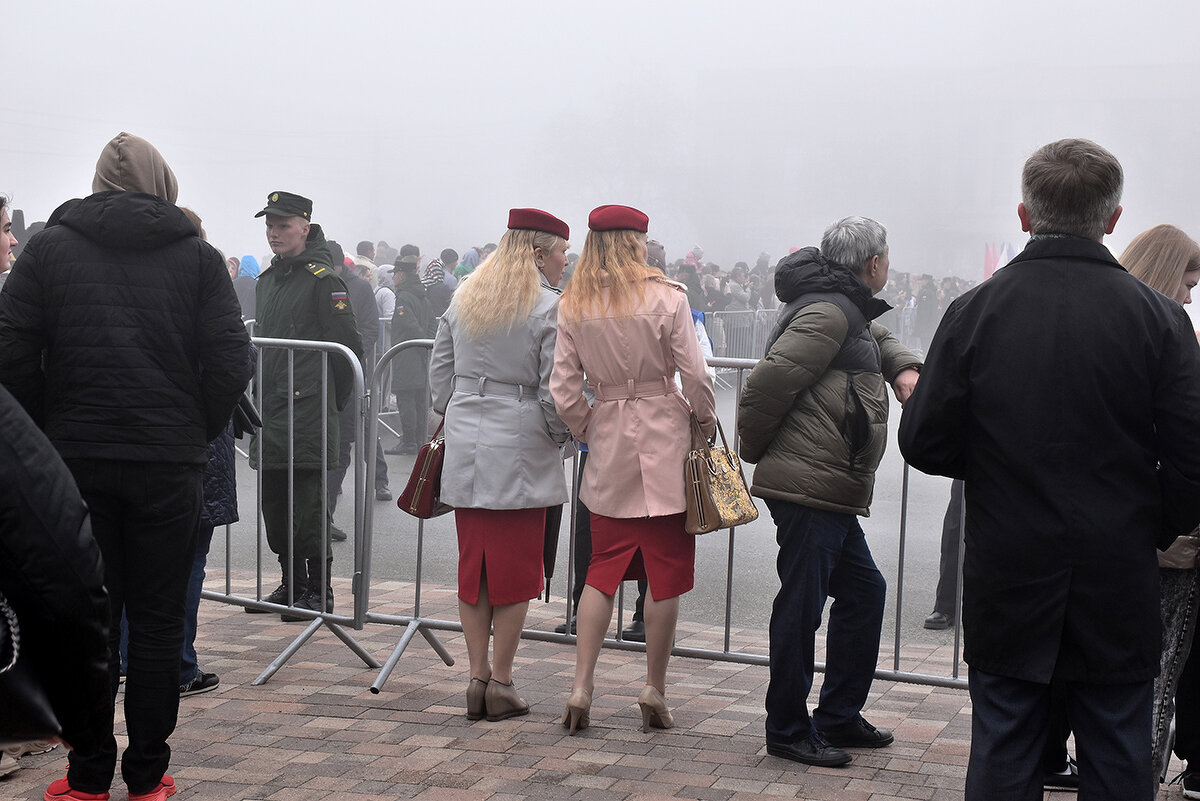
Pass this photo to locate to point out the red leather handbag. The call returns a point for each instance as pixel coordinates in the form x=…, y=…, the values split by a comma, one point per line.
x=421, y=495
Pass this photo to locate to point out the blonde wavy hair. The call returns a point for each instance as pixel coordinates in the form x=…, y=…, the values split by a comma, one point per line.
x=505, y=287
x=619, y=257
x=1160, y=256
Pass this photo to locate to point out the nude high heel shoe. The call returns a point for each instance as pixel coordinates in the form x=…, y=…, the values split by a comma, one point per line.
x=476, y=691
x=654, y=709
x=576, y=715
x=503, y=702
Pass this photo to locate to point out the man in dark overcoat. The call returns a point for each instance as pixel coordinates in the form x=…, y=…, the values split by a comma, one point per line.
x=1074, y=473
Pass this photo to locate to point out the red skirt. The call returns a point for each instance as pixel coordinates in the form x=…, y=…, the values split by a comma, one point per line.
x=653, y=548
x=507, y=545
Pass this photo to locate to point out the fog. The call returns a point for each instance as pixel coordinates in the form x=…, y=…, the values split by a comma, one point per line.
x=741, y=127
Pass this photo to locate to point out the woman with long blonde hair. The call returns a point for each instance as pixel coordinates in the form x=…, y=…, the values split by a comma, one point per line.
x=626, y=329
x=490, y=376
x=1167, y=259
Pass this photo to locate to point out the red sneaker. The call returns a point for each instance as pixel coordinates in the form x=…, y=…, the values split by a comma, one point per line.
x=60, y=790
x=165, y=789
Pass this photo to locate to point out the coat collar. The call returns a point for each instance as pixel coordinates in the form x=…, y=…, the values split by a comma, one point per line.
x=1070, y=247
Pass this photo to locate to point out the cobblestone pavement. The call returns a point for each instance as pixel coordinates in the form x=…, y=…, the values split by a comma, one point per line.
x=315, y=731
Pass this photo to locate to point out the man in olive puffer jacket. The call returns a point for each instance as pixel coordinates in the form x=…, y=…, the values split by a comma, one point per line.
x=813, y=416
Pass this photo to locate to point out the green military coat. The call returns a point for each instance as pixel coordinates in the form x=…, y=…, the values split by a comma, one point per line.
x=303, y=297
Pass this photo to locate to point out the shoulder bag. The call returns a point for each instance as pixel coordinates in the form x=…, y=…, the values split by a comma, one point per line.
x=422, y=495
x=716, y=490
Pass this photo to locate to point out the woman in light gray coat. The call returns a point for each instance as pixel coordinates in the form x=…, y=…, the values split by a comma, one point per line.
x=490, y=376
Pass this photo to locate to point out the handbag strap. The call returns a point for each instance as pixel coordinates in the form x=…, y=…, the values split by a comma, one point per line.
x=14, y=633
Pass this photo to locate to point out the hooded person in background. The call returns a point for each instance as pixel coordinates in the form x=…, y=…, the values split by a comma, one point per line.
x=470, y=260
x=412, y=318
x=245, y=285
x=123, y=341
x=362, y=300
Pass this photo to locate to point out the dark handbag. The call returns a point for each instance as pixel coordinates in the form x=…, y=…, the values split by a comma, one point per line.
x=422, y=494
x=25, y=711
x=714, y=485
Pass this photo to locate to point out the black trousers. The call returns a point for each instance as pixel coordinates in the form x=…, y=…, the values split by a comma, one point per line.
x=413, y=406
x=947, y=587
x=1010, y=720
x=144, y=518
x=1187, y=712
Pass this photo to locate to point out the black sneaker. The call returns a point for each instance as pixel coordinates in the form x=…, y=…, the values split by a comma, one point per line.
x=337, y=535
x=279, y=596
x=204, y=682
x=561, y=628
x=1191, y=784
x=811, y=751
x=309, y=602
x=858, y=734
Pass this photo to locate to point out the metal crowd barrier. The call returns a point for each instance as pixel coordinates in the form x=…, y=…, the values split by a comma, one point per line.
x=369, y=403
x=334, y=622
x=415, y=623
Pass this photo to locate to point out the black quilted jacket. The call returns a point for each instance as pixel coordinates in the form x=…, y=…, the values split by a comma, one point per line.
x=120, y=332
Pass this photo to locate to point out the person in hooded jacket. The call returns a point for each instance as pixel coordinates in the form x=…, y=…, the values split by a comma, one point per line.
x=412, y=318
x=813, y=417
x=300, y=296
x=123, y=341
x=245, y=285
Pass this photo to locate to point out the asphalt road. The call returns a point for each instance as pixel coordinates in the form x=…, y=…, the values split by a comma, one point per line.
x=752, y=585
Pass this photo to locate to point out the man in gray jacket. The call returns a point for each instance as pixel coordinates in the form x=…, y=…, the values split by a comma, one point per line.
x=813, y=416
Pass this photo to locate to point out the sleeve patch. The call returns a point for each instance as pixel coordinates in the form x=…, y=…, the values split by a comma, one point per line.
x=399, y=310
x=340, y=301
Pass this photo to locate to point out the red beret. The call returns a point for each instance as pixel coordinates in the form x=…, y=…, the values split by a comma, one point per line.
x=618, y=218
x=538, y=220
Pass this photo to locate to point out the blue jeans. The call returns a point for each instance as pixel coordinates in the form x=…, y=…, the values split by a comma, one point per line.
x=821, y=555
x=188, y=669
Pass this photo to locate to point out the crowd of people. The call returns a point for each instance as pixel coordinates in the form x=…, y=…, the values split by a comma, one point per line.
x=1073, y=445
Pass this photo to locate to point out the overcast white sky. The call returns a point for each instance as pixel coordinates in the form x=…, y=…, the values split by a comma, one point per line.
x=743, y=126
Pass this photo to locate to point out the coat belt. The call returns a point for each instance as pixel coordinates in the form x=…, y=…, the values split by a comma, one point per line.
x=490, y=386
x=634, y=389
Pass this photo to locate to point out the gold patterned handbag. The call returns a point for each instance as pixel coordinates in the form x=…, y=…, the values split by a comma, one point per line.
x=717, y=495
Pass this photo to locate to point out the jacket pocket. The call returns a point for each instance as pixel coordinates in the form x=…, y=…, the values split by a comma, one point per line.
x=856, y=425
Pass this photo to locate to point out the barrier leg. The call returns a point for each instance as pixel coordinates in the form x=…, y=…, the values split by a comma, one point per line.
x=366, y=657
x=288, y=652
x=436, y=645
x=397, y=652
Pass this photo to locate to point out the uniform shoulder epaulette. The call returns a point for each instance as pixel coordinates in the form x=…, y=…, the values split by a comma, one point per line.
x=319, y=270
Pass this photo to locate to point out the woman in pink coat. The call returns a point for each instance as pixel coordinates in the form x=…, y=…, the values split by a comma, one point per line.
x=628, y=329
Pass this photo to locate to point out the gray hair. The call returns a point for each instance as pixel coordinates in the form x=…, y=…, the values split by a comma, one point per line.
x=852, y=241
x=1071, y=186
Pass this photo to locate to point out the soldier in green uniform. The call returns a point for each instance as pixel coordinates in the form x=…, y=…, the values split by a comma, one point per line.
x=300, y=296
